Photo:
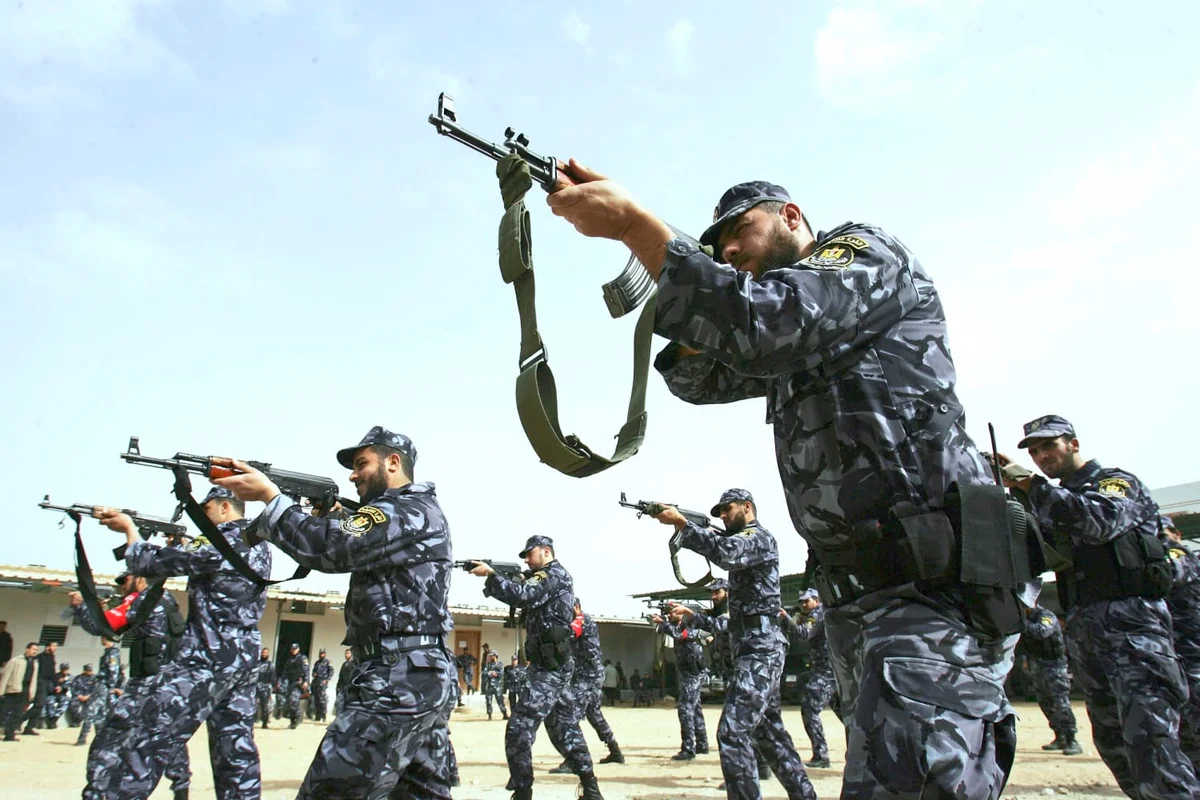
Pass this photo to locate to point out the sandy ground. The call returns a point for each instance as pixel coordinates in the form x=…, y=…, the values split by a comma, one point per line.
x=50, y=766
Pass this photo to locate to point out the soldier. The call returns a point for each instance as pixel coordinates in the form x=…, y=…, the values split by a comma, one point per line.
x=211, y=680
x=515, y=679
x=493, y=684
x=322, y=672
x=345, y=673
x=60, y=696
x=821, y=685
x=295, y=683
x=155, y=641
x=586, y=682
x=390, y=735
x=264, y=682
x=547, y=596
x=86, y=703
x=1184, y=603
x=280, y=695
x=1118, y=625
x=467, y=662
x=109, y=675
x=689, y=674
x=1047, y=651
x=752, y=700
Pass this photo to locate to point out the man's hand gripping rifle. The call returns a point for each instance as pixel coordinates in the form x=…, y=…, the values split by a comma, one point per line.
x=509, y=570
x=147, y=526
x=654, y=508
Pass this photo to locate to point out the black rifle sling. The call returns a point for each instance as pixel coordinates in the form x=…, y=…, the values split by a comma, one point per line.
x=537, y=396
x=708, y=576
x=91, y=601
x=183, y=493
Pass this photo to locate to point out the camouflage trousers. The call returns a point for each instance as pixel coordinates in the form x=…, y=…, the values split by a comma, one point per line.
x=391, y=736
x=818, y=691
x=493, y=690
x=1124, y=660
x=187, y=692
x=1052, y=685
x=751, y=720
x=262, y=696
x=89, y=714
x=320, y=700
x=548, y=698
x=585, y=699
x=692, y=731
x=1189, y=726
x=292, y=708
x=103, y=754
x=922, y=699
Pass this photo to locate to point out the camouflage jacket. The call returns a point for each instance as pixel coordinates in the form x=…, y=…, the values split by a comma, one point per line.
x=515, y=678
x=1184, y=602
x=1043, y=635
x=1094, y=505
x=752, y=559
x=547, y=595
x=109, y=672
x=689, y=653
x=716, y=621
x=493, y=676
x=86, y=685
x=396, y=549
x=849, y=348
x=224, y=608
x=322, y=671
x=589, y=660
x=295, y=670
x=811, y=628
x=265, y=675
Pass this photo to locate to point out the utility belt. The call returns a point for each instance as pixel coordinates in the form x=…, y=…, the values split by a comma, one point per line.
x=747, y=623
x=389, y=648
x=145, y=656
x=550, y=649
x=1135, y=564
x=982, y=545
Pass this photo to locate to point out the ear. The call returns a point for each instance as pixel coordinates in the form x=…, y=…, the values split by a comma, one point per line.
x=793, y=217
x=1074, y=446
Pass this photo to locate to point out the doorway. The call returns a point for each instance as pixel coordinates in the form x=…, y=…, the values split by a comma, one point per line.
x=292, y=631
x=469, y=640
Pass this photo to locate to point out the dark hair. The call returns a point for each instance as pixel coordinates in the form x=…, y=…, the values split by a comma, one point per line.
x=775, y=206
x=406, y=464
x=31, y=644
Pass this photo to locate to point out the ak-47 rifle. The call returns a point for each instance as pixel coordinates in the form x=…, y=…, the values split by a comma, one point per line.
x=505, y=569
x=147, y=526
x=654, y=508
x=537, y=398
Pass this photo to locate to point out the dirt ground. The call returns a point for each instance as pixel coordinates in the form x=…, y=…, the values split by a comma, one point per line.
x=50, y=766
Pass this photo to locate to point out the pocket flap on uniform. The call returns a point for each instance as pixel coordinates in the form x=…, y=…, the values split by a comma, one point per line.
x=958, y=689
x=424, y=659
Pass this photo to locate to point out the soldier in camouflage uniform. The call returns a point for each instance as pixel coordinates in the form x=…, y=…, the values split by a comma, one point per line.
x=493, y=684
x=689, y=674
x=821, y=685
x=586, y=683
x=322, y=671
x=86, y=703
x=547, y=597
x=264, y=683
x=151, y=648
x=516, y=680
x=211, y=680
x=1047, y=651
x=752, y=699
x=59, y=697
x=390, y=736
x=1118, y=626
x=1184, y=603
x=110, y=676
x=295, y=682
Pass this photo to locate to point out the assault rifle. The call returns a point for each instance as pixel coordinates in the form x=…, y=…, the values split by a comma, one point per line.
x=654, y=508
x=320, y=492
x=147, y=526
x=505, y=569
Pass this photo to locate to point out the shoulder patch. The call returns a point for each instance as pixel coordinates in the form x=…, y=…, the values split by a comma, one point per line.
x=377, y=515
x=359, y=522
x=1114, y=487
x=1047, y=621
x=197, y=543
x=830, y=256
x=810, y=623
x=1176, y=553
x=853, y=241
x=536, y=577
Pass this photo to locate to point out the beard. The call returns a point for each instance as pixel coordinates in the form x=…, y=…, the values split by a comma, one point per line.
x=782, y=250
x=735, y=525
x=373, y=487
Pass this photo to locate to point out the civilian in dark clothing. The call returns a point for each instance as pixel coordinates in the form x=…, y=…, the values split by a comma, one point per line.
x=5, y=643
x=47, y=670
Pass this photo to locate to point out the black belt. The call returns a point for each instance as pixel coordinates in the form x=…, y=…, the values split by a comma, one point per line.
x=386, y=645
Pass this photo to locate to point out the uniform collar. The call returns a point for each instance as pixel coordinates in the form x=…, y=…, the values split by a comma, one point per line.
x=1085, y=474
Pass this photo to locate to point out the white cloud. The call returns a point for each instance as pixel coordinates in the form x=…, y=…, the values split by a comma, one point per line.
x=679, y=42
x=577, y=30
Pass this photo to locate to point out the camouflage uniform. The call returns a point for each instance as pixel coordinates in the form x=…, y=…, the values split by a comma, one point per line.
x=848, y=346
x=105, y=752
x=295, y=676
x=211, y=679
x=87, y=711
x=111, y=679
x=1184, y=603
x=322, y=671
x=345, y=673
x=587, y=680
x=493, y=686
x=264, y=684
x=548, y=597
x=752, y=702
x=1047, y=650
x=689, y=674
x=821, y=686
x=1121, y=649
x=516, y=681
x=390, y=736
x=58, y=699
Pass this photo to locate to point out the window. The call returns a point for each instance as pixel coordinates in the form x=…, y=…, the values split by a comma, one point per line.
x=53, y=633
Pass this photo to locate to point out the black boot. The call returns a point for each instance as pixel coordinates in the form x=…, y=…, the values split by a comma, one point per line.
x=614, y=755
x=1071, y=747
x=522, y=794
x=1057, y=744
x=683, y=755
x=591, y=790
x=818, y=762
x=702, y=748
x=562, y=769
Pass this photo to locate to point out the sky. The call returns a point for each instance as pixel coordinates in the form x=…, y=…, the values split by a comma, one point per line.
x=227, y=228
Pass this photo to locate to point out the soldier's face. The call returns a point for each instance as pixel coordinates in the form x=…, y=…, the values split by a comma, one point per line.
x=719, y=596
x=1054, y=457
x=538, y=557
x=759, y=240
x=266, y=654
x=349, y=655
x=809, y=604
x=733, y=516
x=370, y=475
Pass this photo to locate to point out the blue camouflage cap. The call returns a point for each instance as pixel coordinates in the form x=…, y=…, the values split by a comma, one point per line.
x=535, y=541
x=378, y=435
x=738, y=200
x=1166, y=523
x=731, y=496
x=218, y=493
x=1050, y=426
x=808, y=594
x=717, y=585
x=87, y=667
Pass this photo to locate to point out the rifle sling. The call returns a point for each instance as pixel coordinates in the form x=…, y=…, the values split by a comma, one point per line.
x=708, y=576
x=537, y=396
x=183, y=493
x=91, y=601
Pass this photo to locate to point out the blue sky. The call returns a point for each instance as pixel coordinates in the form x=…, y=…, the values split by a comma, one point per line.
x=227, y=228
